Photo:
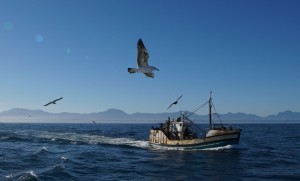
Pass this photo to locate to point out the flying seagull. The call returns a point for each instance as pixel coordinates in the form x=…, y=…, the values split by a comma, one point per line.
x=175, y=102
x=142, y=61
x=53, y=102
x=94, y=122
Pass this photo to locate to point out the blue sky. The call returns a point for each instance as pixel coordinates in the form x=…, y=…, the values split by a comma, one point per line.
x=247, y=52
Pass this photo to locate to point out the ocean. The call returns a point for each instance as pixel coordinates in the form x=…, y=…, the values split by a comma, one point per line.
x=122, y=152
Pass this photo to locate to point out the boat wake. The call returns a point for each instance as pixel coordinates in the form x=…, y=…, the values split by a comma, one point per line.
x=228, y=147
x=81, y=138
x=221, y=148
x=75, y=138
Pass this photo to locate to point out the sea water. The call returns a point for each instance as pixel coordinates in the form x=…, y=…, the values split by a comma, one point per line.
x=122, y=152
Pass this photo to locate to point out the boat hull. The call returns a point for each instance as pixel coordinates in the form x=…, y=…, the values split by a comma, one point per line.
x=157, y=137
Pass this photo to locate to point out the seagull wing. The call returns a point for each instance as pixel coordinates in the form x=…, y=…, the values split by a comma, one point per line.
x=53, y=102
x=175, y=102
x=142, y=56
x=170, y=105
x=149, y=75
x=179, y=98
x=48, y=103
x=58, y=99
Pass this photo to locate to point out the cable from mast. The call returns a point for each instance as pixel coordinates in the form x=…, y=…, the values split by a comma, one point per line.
x=197, y=109
x=217, y=113
x=186, y=118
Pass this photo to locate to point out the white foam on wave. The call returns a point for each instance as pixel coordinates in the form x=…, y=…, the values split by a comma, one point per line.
x=9, y=176
x=228, y=147
x=44, y=149
x=28, y=175
x=63, y=158
x=32, y=173
x=41, y=150
x=221, y=148
x=161, y=147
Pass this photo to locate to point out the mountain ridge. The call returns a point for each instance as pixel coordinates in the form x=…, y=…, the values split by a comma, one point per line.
x=117, y=115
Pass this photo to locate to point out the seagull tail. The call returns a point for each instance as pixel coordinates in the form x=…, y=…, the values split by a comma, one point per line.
x=132, y=70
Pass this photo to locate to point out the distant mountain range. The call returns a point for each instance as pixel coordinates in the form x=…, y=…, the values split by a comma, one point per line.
x=119, y=116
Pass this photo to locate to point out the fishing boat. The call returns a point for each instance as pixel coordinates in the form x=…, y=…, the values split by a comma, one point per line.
x=182, y=132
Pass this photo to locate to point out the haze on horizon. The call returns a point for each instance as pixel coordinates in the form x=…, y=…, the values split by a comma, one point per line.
x=246, y=52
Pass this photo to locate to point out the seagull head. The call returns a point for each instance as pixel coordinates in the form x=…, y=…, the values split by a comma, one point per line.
x=150, y=69
x=154, y=68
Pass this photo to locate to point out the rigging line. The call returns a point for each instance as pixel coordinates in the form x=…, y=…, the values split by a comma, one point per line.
x=217, y=113
x=197, y=109
x=197, y=126
x=194, y=124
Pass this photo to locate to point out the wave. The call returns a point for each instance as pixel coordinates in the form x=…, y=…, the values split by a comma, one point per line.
x=28, y=175
x=42, y=150
x=55, y=169
x=12, y=137
x=64, y=158
x=56, y=172
x=50, y=173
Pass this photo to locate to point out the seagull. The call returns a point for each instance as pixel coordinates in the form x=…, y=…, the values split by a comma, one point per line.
x=94, y=122
x=175, y=102
x=142, y=61
x=53, y=102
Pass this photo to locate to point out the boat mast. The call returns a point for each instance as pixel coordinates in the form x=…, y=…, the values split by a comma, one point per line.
x=210, y=114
